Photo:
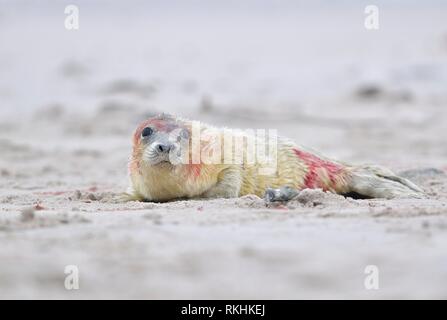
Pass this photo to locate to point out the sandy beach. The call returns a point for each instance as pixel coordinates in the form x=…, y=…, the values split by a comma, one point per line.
x=70, y=101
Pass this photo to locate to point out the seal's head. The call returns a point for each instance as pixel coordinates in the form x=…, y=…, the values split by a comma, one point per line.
x=160, y=141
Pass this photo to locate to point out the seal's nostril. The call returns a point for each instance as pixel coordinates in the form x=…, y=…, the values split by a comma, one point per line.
x=163, y=148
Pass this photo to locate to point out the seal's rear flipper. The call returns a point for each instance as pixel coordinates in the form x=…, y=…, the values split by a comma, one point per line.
x=379, y=182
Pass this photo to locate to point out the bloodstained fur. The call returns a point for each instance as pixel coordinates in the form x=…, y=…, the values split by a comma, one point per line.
x=317, y=166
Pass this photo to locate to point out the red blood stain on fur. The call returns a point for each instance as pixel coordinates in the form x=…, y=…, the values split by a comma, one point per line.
x=163, y=125
x=159, y=124
x=194, y=170
x=315, y=165
x=134, y=166
x=156, y=123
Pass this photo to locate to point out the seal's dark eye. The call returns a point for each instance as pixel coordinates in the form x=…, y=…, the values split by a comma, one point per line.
x=147, y=132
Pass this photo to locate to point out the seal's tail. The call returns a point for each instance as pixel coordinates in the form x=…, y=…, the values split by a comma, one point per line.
x=380, y=182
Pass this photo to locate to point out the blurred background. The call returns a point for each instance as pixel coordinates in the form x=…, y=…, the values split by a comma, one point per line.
x=299, y=66
x=70, y=100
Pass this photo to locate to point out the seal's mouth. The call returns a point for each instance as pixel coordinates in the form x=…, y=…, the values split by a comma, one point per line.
x=152, y=157
x=157, y=154
x=159, y=161
x=164, y=163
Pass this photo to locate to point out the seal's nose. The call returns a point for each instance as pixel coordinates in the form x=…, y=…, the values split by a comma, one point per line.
x=163, y=148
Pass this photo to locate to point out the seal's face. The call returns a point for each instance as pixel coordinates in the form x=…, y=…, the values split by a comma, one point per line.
x=161, y=141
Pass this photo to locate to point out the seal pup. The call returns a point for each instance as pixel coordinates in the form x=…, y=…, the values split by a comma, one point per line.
x=169, y=162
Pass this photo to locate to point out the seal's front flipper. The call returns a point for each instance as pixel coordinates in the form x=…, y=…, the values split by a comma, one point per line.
x=282, y=194
x=379, y=182
x=129, y=195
